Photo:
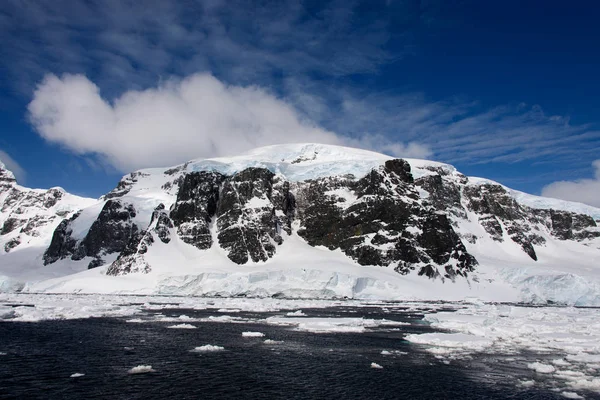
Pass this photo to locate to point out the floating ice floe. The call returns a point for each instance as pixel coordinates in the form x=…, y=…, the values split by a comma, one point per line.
x=571, y=332
x=253, y=334
x=393, y=352
x=77, y=375
x=297, y=313
x=141, y=369
x=571, y=395
x=182, y=326
x=376, y=366
x=270, y=341
x=207, y=348
x=332, y=325
x=541, y=367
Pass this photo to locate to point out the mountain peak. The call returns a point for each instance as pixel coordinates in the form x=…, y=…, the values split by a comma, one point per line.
x=5, y=174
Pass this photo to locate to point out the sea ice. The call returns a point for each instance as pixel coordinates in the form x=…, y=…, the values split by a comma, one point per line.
x=253, y=334
x=270, y=341
x=541, y=367
x=571, y=395
x=375, y=365
x=297, y=313
x=77, y=375
x=207, y=348
x=182, y=326
x=393, y=352
x=141, y=369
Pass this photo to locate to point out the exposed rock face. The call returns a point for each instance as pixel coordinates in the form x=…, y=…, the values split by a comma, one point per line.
x=195, y=206
x=62, y=245
x=131, y=259
x=110, y=233
x=247, y=224
x=386, y=218
x=27, y=215
x=124, y=185
x=386, y=224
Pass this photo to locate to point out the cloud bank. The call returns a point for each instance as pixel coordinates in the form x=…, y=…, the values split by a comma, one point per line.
x=582, y=190
x=179, y=120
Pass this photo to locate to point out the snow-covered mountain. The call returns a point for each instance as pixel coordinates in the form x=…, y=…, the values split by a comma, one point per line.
x=302, y=220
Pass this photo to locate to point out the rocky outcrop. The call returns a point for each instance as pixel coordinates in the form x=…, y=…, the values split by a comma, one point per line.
x=195, y=206
x=386, y=224
x=246, y=219
x=124, y=185
x=62, y=244
x=131, y=259
x=28, y=214
x=386, y=218
x=110, y=233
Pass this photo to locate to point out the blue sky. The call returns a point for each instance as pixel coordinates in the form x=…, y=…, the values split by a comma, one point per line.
x=505, y=90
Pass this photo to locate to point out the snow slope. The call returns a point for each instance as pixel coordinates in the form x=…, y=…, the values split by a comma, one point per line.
x=566, y=271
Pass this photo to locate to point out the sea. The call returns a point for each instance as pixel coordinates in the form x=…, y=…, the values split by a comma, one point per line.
x=39, y=360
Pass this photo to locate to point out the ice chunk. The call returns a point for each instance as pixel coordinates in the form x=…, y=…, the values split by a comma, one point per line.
x=207, y=348
x=141, y=369
x=297, y=313
x=253, y=334
x=77, y=375
x=571, y=395
x=375, y=365
x=541, y=367
x=182, y=326
x=392, y=352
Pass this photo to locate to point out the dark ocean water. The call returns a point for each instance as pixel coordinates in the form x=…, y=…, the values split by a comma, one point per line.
x=41, y=356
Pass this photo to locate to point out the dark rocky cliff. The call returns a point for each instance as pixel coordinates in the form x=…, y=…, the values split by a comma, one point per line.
x=383, y=219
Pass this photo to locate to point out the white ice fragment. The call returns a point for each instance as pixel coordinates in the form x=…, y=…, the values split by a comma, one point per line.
x=561, y=362
x=541, y=368
x=527, y=384
x=375, y=365
x=77, y=375
x=571, y=395
x=141, y=369
x=126, y=348
x=182, y=326
x=297, y=313
x=207, y=348
x=270, y=341
x=135, y=320
x=253, y=334
x=392, y=352
x=2, y=353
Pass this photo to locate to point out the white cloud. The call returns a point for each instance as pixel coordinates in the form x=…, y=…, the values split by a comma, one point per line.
x=180, y=120
x=12, y=166
x=582, y=190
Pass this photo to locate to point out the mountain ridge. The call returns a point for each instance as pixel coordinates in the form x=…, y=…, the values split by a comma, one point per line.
x=411, y=219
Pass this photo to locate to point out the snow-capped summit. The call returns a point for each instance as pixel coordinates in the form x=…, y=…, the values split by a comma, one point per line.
x=5, y=174
x=308, y=220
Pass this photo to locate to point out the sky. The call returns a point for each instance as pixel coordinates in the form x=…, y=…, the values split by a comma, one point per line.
x=94, y=89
